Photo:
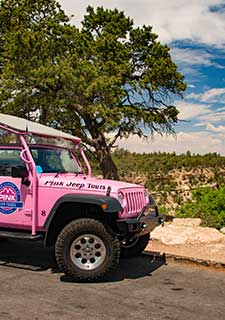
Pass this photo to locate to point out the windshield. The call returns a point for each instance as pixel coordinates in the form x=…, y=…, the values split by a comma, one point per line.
x=33, y=139
x=55, y=160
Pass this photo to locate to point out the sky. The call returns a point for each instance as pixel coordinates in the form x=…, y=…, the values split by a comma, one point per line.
x=195, y=32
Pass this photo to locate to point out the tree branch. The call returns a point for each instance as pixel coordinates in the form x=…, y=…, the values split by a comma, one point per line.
x=118, y=135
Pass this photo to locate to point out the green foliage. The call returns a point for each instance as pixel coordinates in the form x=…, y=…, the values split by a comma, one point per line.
x=208, y=204
x=156, y=166
x=107, y=77
x=163, y=210
x=33, y=37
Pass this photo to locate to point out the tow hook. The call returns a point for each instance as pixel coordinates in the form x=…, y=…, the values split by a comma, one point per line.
x=144, y=226
x=161, y=221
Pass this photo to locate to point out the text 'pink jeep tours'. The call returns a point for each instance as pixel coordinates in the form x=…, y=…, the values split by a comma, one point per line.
x=45, y=194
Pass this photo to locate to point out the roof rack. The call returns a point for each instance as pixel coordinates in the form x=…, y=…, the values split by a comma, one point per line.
x=24, y=126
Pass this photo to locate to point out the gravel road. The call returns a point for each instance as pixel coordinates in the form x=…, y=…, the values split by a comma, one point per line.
x=141, y=288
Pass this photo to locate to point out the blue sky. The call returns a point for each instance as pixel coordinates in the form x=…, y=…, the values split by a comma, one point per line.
x=195, y=32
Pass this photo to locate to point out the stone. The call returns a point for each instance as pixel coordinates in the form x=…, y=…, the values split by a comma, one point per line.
x=190, y=222
x=172, y=234
x=204, y=235
x=169, y=235
x=222, y=230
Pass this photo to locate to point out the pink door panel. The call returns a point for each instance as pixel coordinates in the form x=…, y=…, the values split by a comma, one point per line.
x=15, y=198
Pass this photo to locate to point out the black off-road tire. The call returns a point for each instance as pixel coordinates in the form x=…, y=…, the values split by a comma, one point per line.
x=135, y=247
x=69, y=239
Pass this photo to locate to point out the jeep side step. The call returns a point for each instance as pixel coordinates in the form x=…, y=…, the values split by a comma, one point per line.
x=20, y=235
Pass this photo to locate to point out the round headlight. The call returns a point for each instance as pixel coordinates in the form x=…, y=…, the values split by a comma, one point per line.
x=145, y=194
x=120, y=197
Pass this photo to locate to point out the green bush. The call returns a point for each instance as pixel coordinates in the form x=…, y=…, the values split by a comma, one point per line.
x=163, y=210
x=208, y=204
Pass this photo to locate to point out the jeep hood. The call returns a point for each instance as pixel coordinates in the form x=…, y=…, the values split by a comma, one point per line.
x=83, y=183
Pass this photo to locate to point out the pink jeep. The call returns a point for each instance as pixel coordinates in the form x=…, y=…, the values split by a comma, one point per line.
x=45, y=194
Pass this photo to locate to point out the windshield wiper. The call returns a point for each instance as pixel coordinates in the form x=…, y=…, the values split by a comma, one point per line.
x=61, y=172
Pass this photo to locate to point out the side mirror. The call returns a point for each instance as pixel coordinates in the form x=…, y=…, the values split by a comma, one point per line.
x=19, y=172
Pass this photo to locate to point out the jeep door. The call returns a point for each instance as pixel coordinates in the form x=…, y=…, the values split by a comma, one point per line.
x=15, y=197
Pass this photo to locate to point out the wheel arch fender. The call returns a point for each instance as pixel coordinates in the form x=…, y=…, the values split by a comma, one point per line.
x=106, y=204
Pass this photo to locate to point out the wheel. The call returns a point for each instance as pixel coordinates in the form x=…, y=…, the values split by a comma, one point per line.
x=86, y=250
x=133, y=248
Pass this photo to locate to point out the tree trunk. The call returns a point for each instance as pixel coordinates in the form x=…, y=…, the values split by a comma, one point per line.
x=43, y=116
x=107, y=165
x=103, y=154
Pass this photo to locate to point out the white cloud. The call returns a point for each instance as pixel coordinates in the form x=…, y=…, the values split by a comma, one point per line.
x=219, y=129
x=200, y=124
x=213, y=117
x=197, y=142
x=221, y=109
x=194, y=96
x=194, y=57
x=190, y=111
x=172, y=20
x=214, y=95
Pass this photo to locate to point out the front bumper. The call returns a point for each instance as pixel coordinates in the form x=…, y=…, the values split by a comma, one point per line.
x=148, y=219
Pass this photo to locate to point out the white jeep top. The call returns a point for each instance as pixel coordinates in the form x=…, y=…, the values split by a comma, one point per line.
x=27, y=126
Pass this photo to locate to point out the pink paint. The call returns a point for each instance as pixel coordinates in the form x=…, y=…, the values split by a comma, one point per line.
x=39, y=197
x=44, y=189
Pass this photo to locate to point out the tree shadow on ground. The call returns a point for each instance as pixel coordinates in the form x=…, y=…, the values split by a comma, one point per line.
x=33, y=256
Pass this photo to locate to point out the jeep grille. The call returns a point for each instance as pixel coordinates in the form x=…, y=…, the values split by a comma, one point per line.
x=135, y=202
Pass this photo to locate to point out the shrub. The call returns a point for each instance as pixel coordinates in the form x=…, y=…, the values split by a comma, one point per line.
x=208, y=204
x=163, y=210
